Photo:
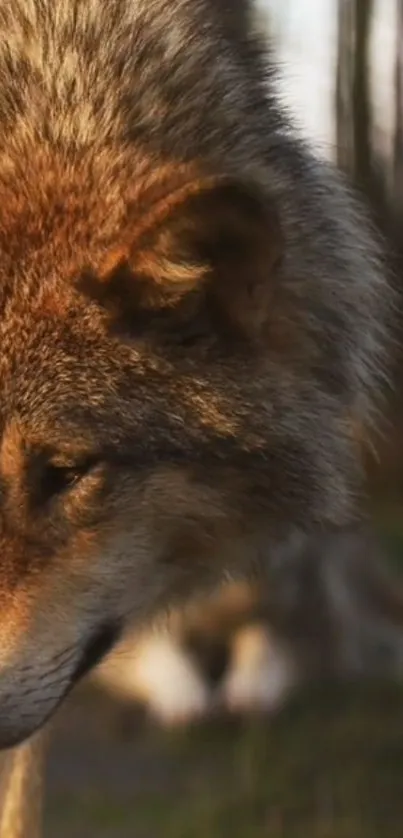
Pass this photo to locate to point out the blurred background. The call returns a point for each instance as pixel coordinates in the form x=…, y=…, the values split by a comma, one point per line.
x=165, y=740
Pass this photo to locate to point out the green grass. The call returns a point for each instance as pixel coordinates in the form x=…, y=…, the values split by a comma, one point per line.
x=330, y=766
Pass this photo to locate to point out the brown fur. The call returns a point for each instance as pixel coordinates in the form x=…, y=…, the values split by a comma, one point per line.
x=192, y=320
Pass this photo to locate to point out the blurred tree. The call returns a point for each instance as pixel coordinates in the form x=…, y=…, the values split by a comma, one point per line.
x=345, y=71
x=398, y=139
x=357, y=156
x=353, y=93
x=362, y=119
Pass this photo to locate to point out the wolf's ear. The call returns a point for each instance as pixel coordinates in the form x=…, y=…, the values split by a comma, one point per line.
x=218, y=241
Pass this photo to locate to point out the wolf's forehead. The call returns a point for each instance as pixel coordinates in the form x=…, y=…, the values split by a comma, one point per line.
x=55, y=213
x=44, y=363
x=54, y=380
x=61, y=217
x=53, y=238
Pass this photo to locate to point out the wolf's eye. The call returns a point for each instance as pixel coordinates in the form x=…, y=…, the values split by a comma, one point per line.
x=60, y=478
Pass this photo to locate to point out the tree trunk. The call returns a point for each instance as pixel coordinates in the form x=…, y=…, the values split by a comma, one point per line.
x=398, y=138
x=362, y=96
x=344, y=77
x=353, y=94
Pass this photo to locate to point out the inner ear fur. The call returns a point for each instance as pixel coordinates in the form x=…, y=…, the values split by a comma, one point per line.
x=218, y=241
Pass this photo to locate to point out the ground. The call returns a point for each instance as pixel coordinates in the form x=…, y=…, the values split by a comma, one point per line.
x=329, y=766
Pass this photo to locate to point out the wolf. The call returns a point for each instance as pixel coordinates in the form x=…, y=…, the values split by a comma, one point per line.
x=193, y=330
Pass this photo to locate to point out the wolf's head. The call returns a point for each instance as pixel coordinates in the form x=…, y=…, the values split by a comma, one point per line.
x=185, y=350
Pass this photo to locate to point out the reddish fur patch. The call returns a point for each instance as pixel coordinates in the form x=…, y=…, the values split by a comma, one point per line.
x=11, y=454
x=85, y=215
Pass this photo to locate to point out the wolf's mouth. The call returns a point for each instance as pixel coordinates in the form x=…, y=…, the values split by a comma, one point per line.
x=95, y=649
x=97, y=646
